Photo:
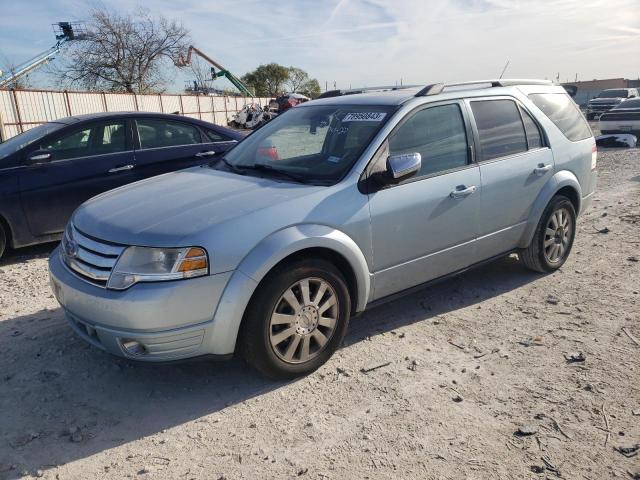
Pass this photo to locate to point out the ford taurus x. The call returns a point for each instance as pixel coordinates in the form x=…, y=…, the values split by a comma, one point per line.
x=334, y=206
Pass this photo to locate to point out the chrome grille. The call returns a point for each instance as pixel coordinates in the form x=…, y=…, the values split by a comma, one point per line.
x=90, y=258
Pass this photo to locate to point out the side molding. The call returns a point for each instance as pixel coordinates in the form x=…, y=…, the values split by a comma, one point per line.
x=561, y=179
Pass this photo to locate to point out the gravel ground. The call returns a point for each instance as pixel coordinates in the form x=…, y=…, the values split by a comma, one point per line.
x=463, y=366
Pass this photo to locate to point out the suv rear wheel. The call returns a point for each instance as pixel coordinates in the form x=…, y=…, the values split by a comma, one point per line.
x=553, y=237
x=296, y=320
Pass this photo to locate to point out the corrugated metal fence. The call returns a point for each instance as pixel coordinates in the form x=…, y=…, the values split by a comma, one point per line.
x=21, y=110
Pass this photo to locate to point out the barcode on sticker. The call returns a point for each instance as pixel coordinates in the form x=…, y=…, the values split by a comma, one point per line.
x=364, y=117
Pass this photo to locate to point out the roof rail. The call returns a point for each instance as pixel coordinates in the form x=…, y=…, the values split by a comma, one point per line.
x=501, y=82
x=433, y=89
x=353, y=91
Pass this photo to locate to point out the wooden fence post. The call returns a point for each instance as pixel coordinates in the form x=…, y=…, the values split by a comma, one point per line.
x=15, y=100
x=66, y=99
x=104, y=102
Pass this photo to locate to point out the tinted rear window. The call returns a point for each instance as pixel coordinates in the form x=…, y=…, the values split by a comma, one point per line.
x=499, y=127
x=564, y=113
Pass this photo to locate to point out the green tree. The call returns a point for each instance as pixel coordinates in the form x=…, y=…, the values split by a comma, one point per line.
x=311, y=88
x=300, y=82
x=267, y=80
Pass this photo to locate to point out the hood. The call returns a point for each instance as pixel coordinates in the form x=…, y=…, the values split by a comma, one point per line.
x=164, y=210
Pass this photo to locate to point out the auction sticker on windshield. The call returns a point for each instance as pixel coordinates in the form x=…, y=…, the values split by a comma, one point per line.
x=364, y=117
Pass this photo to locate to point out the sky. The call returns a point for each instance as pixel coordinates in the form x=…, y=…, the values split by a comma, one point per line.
x=358, y=43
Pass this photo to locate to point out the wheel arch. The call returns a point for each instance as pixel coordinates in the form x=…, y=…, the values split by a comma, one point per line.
x=289, y=244
x=4, y=224
x=564, y=183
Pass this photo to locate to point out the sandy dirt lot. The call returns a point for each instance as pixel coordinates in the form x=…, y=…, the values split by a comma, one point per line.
x=463, y=367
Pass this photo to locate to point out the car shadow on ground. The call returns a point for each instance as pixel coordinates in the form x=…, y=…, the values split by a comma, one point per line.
x=67, y=400
x=12, y=257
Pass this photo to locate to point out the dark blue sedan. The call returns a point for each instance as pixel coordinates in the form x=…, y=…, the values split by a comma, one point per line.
x=48, y=171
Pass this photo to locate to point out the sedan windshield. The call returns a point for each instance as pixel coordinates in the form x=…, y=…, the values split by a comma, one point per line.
x=27, y=138
x=613, y=94
x=309, y=144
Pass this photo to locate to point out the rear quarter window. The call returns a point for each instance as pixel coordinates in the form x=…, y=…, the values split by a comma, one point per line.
x=564, y=113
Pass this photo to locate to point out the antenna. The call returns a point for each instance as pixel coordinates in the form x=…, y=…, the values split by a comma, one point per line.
x=504, y=69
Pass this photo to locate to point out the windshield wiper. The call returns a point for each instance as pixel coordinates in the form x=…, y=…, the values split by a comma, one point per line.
x=269, y=168
x=229, y=165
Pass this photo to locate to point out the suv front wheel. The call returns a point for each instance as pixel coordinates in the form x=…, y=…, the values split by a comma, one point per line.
x=553, y=238
x=296, y=319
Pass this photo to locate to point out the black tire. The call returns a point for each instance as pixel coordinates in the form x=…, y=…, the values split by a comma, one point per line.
x=536, y=256
x=254, y=342
x=3, y=240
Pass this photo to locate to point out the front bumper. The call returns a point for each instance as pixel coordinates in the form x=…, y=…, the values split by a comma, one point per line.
x=167, y=320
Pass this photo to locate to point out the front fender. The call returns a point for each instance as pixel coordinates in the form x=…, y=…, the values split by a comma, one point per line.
x=266, y=255
x=561, y=179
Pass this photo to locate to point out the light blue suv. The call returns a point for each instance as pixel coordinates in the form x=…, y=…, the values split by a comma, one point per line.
x=334, y=206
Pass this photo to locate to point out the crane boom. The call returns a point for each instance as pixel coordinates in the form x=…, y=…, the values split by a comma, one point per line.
x=37, y=61
x=222, y=72
x=65, y=32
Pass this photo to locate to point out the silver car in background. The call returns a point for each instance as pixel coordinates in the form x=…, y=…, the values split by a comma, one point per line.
x=332, y=207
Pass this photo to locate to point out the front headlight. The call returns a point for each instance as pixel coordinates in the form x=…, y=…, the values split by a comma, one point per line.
x=145, y=264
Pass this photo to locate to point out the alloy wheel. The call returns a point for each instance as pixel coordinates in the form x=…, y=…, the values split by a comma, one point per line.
x=303, y=320
x=557, y=237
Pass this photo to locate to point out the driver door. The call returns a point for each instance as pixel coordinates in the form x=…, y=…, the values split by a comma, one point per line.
x=426, y=226
x=85, y=161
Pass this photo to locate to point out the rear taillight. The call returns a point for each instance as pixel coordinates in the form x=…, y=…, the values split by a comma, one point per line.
x=594, y=157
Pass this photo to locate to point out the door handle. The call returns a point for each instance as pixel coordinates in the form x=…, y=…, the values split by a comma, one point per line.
x=121, y=169
x=462, y=191
x=541, y=169
x=208, y=153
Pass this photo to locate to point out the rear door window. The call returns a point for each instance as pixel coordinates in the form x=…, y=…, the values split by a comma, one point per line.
x=534, y=138
x=438, y=134
x=213, y=136
x=500, y=128
x=564, y=113
x=157, y=133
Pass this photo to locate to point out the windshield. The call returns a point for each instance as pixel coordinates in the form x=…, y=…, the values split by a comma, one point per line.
x=635, y=103
x=613, y=94
x=315, y=144
x=22, y=140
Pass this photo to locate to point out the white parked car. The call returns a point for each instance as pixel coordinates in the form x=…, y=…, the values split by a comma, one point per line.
x=625, y=118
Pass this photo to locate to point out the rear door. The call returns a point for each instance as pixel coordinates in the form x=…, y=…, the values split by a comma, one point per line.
x=515, y=163
x=86, y=160
x=166, y=145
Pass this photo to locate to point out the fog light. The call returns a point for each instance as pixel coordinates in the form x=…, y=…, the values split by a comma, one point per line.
x=133, y=347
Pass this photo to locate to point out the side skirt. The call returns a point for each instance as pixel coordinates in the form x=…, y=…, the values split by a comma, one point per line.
x=422, y=286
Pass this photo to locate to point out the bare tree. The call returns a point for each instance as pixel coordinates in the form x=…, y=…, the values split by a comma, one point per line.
x=124, y=53
x=201, y=72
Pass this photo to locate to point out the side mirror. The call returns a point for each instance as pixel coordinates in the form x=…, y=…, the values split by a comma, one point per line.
x=400, y=167
x=39, y=156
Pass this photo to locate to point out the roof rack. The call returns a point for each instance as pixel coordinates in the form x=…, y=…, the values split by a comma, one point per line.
x=500, y=82
x=353, y=91
x=433, y=89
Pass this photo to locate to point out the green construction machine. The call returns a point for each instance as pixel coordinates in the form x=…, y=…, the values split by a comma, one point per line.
x=217, y=70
